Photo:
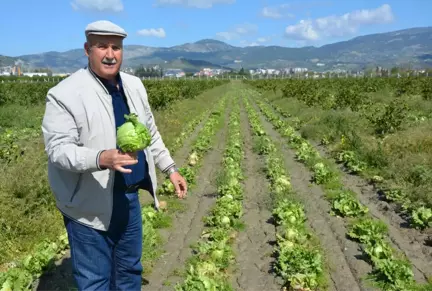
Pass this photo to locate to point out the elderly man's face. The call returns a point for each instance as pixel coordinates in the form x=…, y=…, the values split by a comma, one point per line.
x=105, y=54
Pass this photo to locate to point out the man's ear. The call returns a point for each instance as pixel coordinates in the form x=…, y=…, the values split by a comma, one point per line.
x=87, y=48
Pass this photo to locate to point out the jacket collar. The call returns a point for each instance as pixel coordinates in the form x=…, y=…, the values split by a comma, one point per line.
x=104, y=83
x=123, y=87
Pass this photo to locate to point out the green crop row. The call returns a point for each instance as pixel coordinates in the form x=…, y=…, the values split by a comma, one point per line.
x=299, y=261
x=208, y=269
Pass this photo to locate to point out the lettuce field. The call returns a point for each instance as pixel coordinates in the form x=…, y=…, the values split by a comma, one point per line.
x=293, y=185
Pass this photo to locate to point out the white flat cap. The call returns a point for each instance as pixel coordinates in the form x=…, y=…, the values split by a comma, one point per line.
x=105, y=27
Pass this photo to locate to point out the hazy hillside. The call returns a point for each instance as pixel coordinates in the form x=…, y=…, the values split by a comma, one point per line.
x=6, y=61
x=404, y=47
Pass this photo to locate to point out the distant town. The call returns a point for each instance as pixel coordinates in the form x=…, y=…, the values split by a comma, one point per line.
x=157, y=72
x=177, y=73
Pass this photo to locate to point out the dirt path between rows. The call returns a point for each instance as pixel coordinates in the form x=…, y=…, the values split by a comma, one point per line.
x=60, y=278
x=409, y=241
x=188, y=225
x=347, y=268
x=253, y=248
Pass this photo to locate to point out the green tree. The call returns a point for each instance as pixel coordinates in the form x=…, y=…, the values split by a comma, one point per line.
x=394, y=70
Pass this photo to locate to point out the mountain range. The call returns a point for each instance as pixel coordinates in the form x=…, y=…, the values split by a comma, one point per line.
x=409, y=47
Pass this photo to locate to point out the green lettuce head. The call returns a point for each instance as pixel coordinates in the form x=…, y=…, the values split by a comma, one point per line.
x=133, y=136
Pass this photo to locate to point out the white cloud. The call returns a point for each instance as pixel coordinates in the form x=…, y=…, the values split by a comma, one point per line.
x=203, y=4
x=276, y=12
x=238, y=31
x=155, y=32
x=303, y=30
x=337, y=26
x=98, y=5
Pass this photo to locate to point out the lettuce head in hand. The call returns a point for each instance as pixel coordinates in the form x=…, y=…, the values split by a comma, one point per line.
x=133, y=136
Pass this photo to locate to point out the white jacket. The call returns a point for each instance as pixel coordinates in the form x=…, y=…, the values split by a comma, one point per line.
x=79, y=123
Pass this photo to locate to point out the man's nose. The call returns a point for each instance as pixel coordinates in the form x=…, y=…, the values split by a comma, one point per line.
x=110, y=53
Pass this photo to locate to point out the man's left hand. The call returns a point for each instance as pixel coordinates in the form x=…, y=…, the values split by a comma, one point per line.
x=179, y=183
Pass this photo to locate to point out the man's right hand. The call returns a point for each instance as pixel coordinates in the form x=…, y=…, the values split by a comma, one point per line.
x=116, y=160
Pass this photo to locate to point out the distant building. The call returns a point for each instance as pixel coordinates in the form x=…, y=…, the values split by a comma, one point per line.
x=178, y=73
x=31, y=74
x=208, y=72
x=128, y=70
x=300, y=70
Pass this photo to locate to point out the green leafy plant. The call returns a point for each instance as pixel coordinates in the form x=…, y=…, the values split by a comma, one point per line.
x=133, y=136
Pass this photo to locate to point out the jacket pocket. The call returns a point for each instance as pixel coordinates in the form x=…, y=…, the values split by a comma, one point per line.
x=75, y=191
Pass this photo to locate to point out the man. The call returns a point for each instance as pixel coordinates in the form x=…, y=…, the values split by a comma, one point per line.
x=95, y=184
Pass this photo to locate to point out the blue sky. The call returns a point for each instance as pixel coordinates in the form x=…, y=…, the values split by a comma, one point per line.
x=29, y=26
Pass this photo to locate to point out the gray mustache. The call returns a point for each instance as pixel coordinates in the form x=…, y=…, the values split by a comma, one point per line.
x=109, y=62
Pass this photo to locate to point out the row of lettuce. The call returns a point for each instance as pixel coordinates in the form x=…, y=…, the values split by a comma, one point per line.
x=152, y=219
x=213, y=256
x=391, y=270
x=20, y=275
x=299, y=261
x=201, y=146
x=161, y=93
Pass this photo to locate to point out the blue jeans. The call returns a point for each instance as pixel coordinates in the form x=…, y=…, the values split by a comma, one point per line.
x=109, y=260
